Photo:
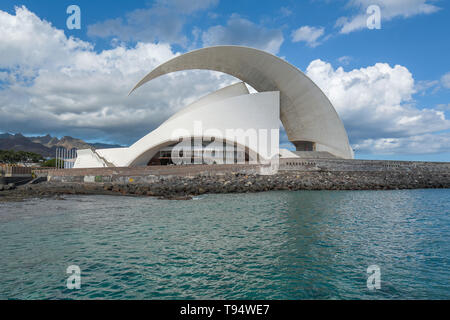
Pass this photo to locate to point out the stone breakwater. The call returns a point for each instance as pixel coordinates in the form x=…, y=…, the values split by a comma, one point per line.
x=184, y=187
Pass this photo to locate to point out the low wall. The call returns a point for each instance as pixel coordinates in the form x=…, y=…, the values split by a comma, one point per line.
x=360, y=165
x=153, y=173
x=14, y=174
x=142, y=174
x=13, y=171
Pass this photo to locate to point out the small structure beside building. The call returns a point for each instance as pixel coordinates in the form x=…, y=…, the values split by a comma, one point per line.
x=14, y=174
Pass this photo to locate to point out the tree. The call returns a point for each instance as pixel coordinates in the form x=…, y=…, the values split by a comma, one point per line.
x=50, y=163
x=11, y=156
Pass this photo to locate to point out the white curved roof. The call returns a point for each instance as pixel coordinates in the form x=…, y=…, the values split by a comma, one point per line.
x=305, y=111
x=234, y=90
x=230, y=108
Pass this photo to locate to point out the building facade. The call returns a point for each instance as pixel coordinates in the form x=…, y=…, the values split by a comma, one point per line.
x=232, y=125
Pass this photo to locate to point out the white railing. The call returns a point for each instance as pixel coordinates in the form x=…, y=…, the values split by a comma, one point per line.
x=65, y=159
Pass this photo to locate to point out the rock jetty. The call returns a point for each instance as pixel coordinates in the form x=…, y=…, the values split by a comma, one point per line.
x=184, y=187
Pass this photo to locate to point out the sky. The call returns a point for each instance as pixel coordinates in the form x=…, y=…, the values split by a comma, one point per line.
x=390, y=85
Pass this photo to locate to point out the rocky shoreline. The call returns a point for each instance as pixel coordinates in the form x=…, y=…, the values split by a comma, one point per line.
x=185, y=187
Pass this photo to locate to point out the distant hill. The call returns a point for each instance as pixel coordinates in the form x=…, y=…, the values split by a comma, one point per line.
x=46, y=145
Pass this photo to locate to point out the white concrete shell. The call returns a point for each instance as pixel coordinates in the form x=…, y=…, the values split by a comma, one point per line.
x=88, y=158
x=305, y=111
x=229, y=108
x=234, y=90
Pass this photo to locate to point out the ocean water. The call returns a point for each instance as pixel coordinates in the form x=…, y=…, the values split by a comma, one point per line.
x=273, y=245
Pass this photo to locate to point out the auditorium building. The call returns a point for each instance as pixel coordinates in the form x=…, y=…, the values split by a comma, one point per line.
x=233, y=125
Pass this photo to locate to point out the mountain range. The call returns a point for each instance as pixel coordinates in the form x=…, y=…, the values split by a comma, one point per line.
x=46, y=145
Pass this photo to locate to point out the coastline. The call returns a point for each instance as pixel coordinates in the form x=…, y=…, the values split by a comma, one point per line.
x=176, y=187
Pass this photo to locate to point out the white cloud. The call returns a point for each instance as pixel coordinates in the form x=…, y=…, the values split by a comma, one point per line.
x=433, y=86
x=344, y=60
x=73, y=90
x=424, y=86
x=444, y=107
x=390, y=9
x=285, y=12
x=422, y=144
x=213, y=15
x=240, y=31
x=51, y=83
x=26, y=41
x=445, y=80
x=163, y=22
x=376, y=103
x=308, y=34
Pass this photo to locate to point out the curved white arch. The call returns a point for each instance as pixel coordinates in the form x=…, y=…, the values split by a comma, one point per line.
x=233, y=90
x=147, y=155
x=229, y=108
x=305, y=111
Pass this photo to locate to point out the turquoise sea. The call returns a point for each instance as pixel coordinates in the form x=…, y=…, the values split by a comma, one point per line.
x=273, y=245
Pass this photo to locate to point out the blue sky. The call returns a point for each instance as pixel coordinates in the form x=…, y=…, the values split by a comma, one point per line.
x=392, y=92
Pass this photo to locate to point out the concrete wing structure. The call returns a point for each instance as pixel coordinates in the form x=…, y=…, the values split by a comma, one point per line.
x=310, y=120
x=231, y=108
